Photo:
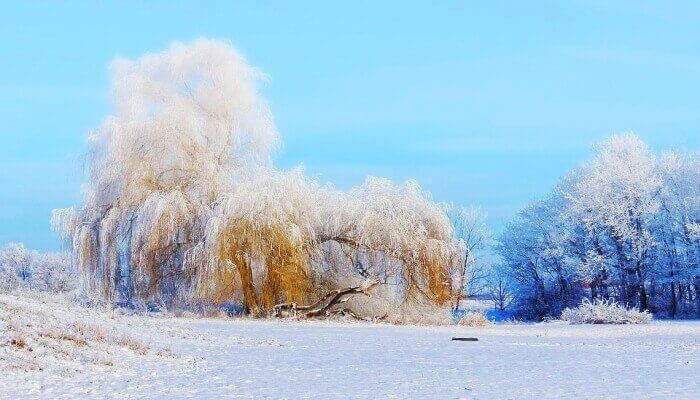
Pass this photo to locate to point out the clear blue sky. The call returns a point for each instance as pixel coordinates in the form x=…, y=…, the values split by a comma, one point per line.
x=482, y=104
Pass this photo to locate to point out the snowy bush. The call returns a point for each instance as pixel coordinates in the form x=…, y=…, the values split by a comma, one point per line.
x=21, y=268
x=604, y=312
x=9, y=280
x=15, y=266
x=53, y=272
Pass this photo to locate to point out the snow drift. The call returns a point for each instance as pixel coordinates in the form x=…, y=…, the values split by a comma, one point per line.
x=604, y=312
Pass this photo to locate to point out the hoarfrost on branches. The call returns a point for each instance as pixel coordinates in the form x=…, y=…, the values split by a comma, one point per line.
x=21, y=268
x=604, y=312
x=622, y=227
x=183, y=205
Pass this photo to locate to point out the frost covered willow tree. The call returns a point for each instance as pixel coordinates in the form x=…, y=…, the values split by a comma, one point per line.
x=188, y=123
x=183, y=205
x=621, y=226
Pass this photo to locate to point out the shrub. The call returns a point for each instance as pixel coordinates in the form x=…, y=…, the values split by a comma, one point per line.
x=21, y=268
x=9, y=280
x=604, y=312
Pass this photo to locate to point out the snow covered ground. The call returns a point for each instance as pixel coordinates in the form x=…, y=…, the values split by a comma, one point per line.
x=164, y=357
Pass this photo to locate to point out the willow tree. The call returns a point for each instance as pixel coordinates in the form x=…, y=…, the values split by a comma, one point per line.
x=401, y=233
x=182, y=203
x=266, y=230
x=187, y=123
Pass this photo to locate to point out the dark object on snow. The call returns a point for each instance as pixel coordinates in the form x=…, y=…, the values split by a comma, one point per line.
x=466, y=339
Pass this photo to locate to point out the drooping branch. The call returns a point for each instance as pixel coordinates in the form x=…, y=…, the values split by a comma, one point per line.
x=180, y=188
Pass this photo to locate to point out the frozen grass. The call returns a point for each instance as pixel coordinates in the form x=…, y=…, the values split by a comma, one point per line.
x=604, y=312
x=48, y=332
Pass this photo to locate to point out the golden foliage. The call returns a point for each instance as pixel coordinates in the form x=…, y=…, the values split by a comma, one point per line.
x=182, y=205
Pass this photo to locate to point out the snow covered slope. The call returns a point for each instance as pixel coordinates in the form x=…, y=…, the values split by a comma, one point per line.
x=208, y=358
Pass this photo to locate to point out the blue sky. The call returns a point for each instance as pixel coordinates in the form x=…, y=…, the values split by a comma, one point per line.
x=483, y=104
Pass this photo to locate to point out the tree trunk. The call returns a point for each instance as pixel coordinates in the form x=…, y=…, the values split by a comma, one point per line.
x=462, y=278
x=697, y=295
x=643, y=301
x=672, y=312
x=250, y=298
x=326, y=305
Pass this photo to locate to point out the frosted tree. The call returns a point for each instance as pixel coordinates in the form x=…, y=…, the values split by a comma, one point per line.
x=620, y=228
x=53, y=272
x=188, y=125
x=618, y=191
x=21, y=268
x=16, y=262
x=182, y=203
x=400, y=227
x=259, y=242
x=540, y=251
x=678, y=256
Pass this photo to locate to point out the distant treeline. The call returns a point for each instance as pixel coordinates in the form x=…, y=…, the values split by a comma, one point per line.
x=626, y=226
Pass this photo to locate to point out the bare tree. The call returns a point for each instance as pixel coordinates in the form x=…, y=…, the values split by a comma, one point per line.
x=471, y=230
x=500, y=289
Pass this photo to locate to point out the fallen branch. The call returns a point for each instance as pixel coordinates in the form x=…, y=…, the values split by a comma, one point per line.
x=327, y=305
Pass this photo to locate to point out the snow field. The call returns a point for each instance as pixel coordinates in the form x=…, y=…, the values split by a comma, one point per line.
x=184, y=358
